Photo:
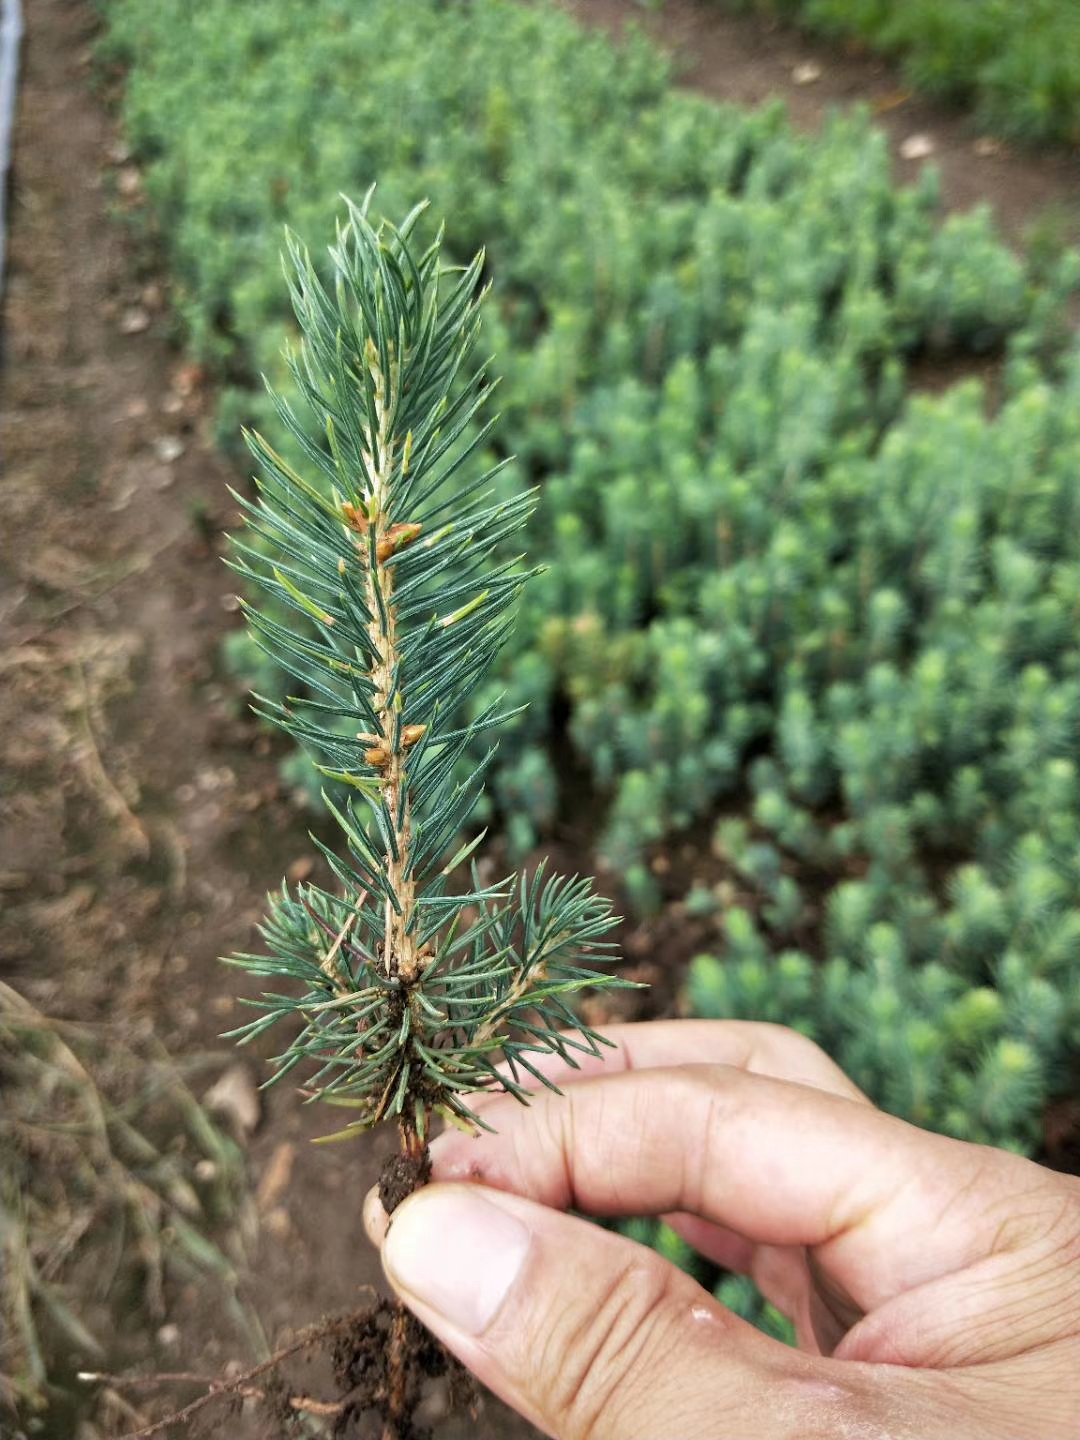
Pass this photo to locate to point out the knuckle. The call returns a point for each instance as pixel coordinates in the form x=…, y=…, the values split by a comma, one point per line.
x=596, y=1371
x=1037, y=1208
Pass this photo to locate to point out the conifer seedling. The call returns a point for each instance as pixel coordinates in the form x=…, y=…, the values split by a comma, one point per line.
x=417, y=985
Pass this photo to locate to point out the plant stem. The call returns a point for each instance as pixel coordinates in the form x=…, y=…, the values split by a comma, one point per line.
x=399, y=957
x=397, y=1375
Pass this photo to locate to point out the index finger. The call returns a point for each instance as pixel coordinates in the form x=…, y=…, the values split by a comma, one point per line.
x=777, y=1162
x=751, y=1045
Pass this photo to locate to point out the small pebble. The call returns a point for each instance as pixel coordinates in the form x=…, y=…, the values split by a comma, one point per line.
x=917, y=147
x=234, y=1098
x=134, y=321
x=808, y=73
x=129, y=181
x=168, y=449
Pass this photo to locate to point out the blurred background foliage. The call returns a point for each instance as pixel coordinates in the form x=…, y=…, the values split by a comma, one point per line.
x=1015, y=62
x=803, y=596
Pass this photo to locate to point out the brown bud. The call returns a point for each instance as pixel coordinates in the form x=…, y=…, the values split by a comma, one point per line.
x=411, y=734
x=378, y=756
x=395, y=539
x=355, y=517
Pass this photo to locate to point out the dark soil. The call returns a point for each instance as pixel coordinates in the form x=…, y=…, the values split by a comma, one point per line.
x=401, y=1175
x=141, y=815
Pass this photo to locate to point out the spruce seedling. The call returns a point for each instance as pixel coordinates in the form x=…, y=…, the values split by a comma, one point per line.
x=417, y=986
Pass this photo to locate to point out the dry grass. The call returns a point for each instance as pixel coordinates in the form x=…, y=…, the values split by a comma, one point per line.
x=114, y=1186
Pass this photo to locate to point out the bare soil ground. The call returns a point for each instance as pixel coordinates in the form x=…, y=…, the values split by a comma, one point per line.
x=141, y=817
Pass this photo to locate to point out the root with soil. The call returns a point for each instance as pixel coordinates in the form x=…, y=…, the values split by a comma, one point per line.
x=382, y=1362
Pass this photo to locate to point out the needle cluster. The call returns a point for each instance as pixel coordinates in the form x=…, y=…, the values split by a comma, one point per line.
x=416, y=984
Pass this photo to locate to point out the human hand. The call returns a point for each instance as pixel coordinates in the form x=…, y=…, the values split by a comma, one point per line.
x=934, y=1285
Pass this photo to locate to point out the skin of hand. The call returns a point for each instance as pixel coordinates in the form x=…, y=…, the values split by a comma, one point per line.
x=934, y=1285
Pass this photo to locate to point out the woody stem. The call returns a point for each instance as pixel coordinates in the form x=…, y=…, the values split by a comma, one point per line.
x=399, y=946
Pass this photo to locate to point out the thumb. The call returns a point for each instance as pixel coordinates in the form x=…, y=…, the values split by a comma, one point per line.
x=590, y=1335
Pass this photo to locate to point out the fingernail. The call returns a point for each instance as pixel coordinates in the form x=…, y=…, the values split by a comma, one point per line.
x=456, y=1251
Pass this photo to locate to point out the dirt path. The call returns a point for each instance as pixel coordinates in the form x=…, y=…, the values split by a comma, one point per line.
x=141, y=818
x=141, y=821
